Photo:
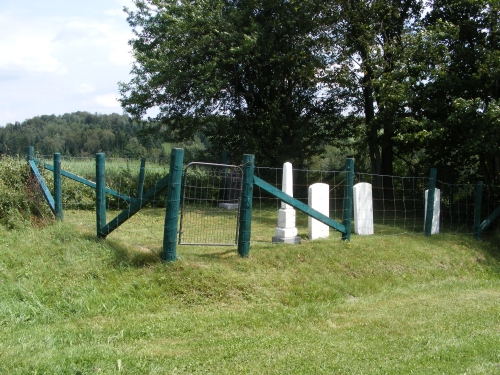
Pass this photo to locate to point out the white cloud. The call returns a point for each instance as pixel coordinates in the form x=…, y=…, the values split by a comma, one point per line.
x=27, y=48
x=115, y=13
x=118, y=11
x=125, y=3
x=108, y=100
x=96, y=34
x=57, y=56
x=121, y=55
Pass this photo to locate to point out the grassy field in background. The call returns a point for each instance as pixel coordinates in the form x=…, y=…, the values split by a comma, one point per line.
x=71, y=304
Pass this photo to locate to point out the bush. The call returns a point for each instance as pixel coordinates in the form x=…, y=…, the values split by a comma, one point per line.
x=21, y=200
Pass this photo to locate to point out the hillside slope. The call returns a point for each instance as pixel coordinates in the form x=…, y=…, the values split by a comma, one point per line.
x=379, y=305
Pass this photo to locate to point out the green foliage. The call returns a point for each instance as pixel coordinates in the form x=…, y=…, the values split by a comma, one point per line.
x=285, y=79
x=373, y=46
x=460, y=100
x=21, y=201
x=79, y=134
x=245, y=75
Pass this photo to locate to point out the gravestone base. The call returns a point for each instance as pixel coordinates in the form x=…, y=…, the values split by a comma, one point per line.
x=291, y=240
x=229, y=206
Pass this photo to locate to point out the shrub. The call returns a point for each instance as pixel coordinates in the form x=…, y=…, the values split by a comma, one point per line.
x=21, y=200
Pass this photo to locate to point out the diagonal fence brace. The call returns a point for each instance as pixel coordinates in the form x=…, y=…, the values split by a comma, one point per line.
x=91, y=184
x=486, y=223
x=43, y=186
x=135, y=206
x=298, y=205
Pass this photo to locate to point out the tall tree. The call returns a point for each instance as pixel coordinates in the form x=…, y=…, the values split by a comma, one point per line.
x=373, y=49
x=248, y=75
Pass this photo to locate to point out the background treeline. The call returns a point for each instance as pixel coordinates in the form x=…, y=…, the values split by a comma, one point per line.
x=80, y=134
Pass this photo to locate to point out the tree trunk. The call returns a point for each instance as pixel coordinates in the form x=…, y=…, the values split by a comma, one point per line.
x=372, y=140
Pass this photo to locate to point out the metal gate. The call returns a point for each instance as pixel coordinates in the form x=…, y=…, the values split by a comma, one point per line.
x=210, y=204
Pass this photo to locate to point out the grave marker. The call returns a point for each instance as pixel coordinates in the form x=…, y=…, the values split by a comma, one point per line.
x=363, y=208
x=319, y=199
x=437, y=208
x=286, y=232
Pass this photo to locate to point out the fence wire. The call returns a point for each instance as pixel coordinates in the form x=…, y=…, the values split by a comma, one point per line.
x=144, y=230
x=210, y=204
x=398, y=201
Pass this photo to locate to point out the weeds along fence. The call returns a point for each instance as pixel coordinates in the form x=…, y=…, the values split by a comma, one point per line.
x=21, y=202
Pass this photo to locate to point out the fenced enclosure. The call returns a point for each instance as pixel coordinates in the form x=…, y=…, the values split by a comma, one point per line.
x=210, y=204
x=139, y=197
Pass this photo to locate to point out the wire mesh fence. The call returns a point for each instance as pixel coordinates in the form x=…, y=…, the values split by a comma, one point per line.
x=399, y=203
x=210, y=204
x=210, y=210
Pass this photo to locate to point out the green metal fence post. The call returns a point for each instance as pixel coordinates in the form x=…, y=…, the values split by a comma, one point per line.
x=58, y=187
x=246, y=205
x=429, y=212
x=31, y=153
x=348, y=194
x=100, y=193
x=173, y=202
x=477, y=210
x=142, y=173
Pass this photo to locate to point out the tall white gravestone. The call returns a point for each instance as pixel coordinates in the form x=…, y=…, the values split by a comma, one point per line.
x=319, y=199
x=286, y=232
x=437, y=208
x=363, y=208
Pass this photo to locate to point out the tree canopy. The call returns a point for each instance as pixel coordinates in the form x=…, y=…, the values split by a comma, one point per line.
x=410, y=85
x=251, y=76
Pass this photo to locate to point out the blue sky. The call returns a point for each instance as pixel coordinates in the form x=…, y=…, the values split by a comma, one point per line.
x=60, y=56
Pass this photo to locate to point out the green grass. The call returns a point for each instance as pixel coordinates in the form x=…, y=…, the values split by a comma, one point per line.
x=70, y=304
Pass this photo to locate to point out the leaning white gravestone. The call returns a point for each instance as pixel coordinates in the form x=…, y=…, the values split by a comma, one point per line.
x=286, y=232
x=319, y=199
x=363, y=208
x=437, y=208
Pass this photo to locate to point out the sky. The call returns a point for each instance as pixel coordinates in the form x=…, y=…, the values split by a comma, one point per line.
x=62, y=56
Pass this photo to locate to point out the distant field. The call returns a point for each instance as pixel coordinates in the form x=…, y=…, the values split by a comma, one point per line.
x=378, y=305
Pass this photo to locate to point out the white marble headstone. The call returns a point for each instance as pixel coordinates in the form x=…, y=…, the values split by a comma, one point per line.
x=286, y=232
x=319, y=199
x=437, y=208
x=363, y=208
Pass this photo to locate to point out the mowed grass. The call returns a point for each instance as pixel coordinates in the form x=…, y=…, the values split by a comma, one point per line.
x=71, y=304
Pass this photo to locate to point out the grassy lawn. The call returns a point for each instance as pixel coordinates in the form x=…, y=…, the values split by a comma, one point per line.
x=70, y=304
